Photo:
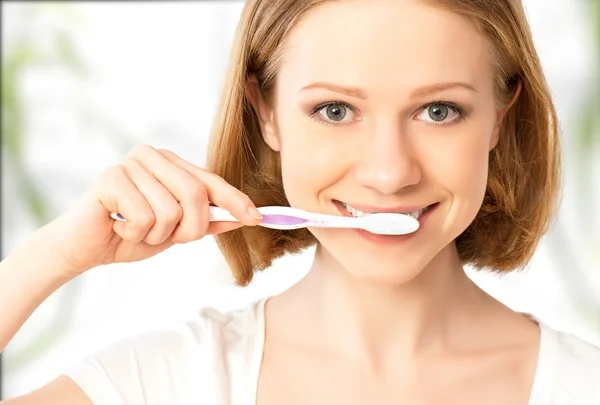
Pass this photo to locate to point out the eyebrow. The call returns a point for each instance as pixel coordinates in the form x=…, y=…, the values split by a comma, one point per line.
x=425, y=91
x=349, y=91
x=421, y=92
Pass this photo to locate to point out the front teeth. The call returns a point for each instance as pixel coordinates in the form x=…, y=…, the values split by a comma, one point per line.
x=417, y=214
x=353, y=211
x=358, y=213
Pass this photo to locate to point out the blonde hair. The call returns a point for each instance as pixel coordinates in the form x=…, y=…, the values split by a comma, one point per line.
x=524, y=168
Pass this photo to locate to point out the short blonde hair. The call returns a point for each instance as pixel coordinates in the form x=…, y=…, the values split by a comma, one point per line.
x=524, y=168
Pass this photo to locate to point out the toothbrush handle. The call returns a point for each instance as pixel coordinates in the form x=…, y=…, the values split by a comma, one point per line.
x=219, y=214
x=314, y=220
x=216, y=214
x=332, y=221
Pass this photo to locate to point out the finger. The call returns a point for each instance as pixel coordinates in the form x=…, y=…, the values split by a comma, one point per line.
x=188, y=190
x=220, y=192
x=118, y=193
x=167, y=211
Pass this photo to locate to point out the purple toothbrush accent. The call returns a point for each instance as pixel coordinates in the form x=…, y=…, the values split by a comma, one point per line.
x=276, y=219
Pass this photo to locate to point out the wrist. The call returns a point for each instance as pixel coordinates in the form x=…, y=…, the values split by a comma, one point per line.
x=37, y=258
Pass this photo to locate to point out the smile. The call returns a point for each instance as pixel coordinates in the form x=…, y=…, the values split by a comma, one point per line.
x=357, y=213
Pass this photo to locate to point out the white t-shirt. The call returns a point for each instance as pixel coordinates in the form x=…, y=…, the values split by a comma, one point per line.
x=215, y=359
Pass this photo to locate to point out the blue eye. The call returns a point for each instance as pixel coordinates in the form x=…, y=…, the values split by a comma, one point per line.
x=333, y=113
x=440, y=113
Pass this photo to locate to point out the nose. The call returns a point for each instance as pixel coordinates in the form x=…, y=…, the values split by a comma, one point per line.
x=388, y=162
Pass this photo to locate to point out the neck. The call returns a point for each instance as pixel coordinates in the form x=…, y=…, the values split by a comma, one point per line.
x=376, y=322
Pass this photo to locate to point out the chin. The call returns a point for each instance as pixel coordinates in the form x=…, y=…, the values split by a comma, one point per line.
x=380, y=266
x=391, y=260
x=385, y=275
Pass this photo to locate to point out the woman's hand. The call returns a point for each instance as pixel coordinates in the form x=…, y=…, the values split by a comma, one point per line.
x=165, y=201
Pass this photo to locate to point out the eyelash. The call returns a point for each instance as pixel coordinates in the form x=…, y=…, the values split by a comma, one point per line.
x=317, y=116
x=454, y=107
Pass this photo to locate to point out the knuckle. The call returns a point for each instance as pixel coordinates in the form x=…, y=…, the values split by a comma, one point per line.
x=215, y=177
x=193, y=227
x=165, y=152
x=131, y=166
x=241, y=202
x=211, y=178
x=145, y=220
x=113, y=173
x=140, y=150
x=197, y=191
x=112, y=179
x=174, y=213
x=169, y=212
x=246, y=200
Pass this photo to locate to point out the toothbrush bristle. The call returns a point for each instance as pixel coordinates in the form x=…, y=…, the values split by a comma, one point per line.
x=391, y=224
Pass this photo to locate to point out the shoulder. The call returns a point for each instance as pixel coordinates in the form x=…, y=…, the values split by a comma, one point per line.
x=185, y=363
x=578, y=359
x=574, y=351
x=571, y=366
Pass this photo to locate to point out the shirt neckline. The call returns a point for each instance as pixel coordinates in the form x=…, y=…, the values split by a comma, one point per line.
x=541, y=390
x=542, y=380
x=257, y=352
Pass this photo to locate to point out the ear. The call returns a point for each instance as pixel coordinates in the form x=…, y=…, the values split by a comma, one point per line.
x=263, y=112
x=502, y=114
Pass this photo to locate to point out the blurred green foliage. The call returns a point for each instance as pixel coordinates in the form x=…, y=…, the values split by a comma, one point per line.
x=24, y=54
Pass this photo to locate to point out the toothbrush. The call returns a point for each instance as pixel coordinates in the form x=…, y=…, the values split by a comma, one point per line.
x=287, y=218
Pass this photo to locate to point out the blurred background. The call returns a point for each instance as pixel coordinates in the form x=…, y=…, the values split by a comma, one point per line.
x=83, y=82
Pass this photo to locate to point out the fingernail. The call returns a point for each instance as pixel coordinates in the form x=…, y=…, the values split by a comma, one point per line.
x=254, y=213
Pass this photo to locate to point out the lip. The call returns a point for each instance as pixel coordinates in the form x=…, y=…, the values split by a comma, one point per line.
x=388, y=239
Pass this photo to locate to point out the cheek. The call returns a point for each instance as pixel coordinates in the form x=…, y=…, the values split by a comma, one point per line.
x=310, y=161
x=460, y=164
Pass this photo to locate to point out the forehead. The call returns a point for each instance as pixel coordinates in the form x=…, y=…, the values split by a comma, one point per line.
x=384, y=45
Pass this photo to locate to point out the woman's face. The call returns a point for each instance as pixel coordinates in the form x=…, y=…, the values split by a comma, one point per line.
x=385, y=106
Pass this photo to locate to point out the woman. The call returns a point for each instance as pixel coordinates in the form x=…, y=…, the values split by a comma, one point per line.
x=341, y=107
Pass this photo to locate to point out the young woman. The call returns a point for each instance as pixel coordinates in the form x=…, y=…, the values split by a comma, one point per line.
x=346, y=108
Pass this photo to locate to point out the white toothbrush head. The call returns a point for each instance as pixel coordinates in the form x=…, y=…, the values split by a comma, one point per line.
x=388, y=223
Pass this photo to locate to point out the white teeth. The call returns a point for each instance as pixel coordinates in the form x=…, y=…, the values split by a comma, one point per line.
x=358, y=213
x=353, y=211
x=416, y=214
